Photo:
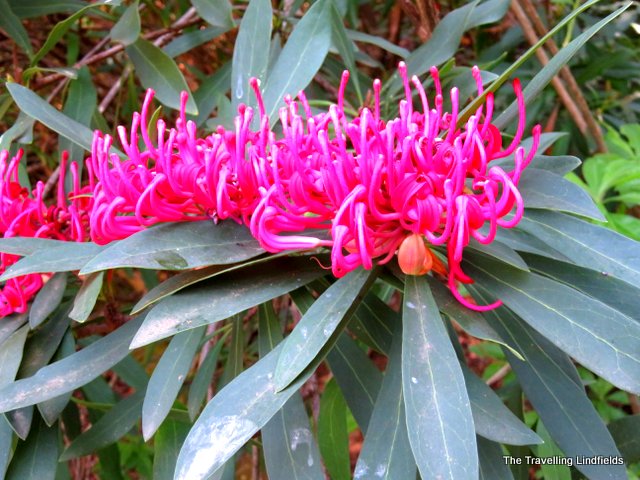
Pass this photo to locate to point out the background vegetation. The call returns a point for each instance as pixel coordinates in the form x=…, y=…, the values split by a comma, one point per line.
x=92, y=62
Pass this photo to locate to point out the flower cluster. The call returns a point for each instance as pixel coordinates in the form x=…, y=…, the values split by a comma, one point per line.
x=364, y=187
x=26, y=215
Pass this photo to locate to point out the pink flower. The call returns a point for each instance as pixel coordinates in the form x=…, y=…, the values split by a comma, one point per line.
x=374, y=184
x=364, y=187
x=27, y=215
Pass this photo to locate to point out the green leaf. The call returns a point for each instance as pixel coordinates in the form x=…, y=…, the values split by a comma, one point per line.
x=158, y=71
x=386, y=452
x=134, y=374
x=551, y=69
x=560, y=164
x=10, y=324
x=71, y=372
x=20, y=421
x=232, y=417
x=290, y=450
x=11, y=352
x=357, y=377
x=251, y=52
x=551, y=383
x=127, y=29
x=625, y=433
x=550, y=450
x=11, y=24
x=112, y=426
x=215, y=12
x=179, y=282
x=492, y=420
x=179, y=246
x=52, y=409
x=383, y=43
x=80, y=104
x=224, y=296
x=61, y=29
x=187, y=41
x=434, y=389
x=38, y=456
x=66, y=257
x=301, y=57
x=6, y=440
x=615, y=293
x=601, y=338
x=472, y=322
x=345, y=46
x=373, y=323
x=499, y=251
x=492, y=461
x=37, y=8
x=167, y=379
x=166, y=446
x=28, y=245
x=546, y=190
x=320, y=323
x=333, y=437
x=585, y=244
x=87, y=296
x=47, y=299
x=38, y=109
x=524, y=242
x=42, y=345
x=202, y=380
x=21, y=131
x=209, y=90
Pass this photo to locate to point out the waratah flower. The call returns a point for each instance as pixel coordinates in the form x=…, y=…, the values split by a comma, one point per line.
x=25, y=215
x=364, y=186
x=414, y=181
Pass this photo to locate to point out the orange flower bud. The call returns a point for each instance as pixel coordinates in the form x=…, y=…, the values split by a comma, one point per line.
x=414, y=256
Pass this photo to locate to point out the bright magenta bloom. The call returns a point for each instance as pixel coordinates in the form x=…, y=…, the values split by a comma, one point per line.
x=362, y=186
x=372, y=183
x=24, y=215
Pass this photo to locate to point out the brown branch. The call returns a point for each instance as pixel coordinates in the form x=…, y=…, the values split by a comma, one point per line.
x=567, y=76
x=559, y=87
x=162, y=37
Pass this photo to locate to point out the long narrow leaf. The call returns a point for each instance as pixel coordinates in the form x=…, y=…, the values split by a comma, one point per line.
x=301, y=57
x=290, y=449
x=71, y=372
x=112, y=426
x=251, y=52
x=601, y=338
x=585, y=244
x=178, y=246
x=386, y=452
x=167, y=378
x=158, y=71
x=548, y=378
x=320, y=323
x=438, y=410
x=224, y=296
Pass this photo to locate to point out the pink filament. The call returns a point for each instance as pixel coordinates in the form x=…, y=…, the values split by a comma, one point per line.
x=367, y=183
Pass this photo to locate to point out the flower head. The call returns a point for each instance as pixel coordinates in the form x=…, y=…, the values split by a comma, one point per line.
x=25, y=214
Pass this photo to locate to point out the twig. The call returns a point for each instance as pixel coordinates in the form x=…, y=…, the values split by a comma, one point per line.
x=255, y=463
x=113, y=91
x=162, y=36
x=499, y=375
x=567, y=76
